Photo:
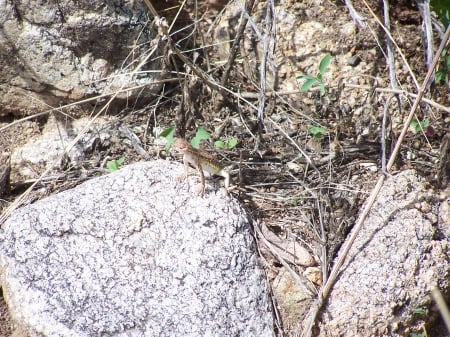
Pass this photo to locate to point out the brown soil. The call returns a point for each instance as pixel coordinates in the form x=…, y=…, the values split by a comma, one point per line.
x=5, y=319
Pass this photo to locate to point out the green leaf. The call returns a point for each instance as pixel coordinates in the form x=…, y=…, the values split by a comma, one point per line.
x=308, y=84
x=317, y=131
x=200, y=135
x=294, y=201
x=438, y=76
x=113, y=165
x=324, y=63
x=419, y=126
x=232, y=143
x=219, y=144
x=120, y=161
x=420, y=311
x=415, y=125
x=322, y=89
x=306, y=77
x=225, y=144
x=447, y=62
x=168, y=134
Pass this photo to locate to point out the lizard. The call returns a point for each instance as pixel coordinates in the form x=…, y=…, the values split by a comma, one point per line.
x=200, y=160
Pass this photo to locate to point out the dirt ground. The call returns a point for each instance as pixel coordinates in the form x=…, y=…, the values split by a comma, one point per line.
x=279, y=189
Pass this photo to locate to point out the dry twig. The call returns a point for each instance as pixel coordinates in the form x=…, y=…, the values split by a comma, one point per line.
x=411, y=73
x=424, y=9
x=440, y=301
x=268, y=47
x=237, y=41
x=355, y=15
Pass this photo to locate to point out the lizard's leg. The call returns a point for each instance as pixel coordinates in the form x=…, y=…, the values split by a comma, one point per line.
x=186, y=169
x=225, y=175
x=201, y=190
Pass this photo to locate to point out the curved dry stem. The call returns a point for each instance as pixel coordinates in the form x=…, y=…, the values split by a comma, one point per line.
x=401, y=92
x=87, y=100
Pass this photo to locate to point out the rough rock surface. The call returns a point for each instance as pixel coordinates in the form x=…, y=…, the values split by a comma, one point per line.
x=44, y=150
x=134, y=253
x=62, y=51
x=303, y=36
x=400, y=253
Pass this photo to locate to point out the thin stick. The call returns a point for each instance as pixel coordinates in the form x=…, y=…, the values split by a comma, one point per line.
x=424, y=9
x=383, y=133
x=262, y=67
x=393, y=41
x=308, y=160
x=402, y=92
x=269, y=246
x=252, y=95
x=355, y=15
x=443, y=309
x=389, y=46
x=417, y=100
x=87, y=100
x=237, y=41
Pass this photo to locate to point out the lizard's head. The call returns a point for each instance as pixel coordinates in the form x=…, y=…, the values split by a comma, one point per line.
x=180, y=145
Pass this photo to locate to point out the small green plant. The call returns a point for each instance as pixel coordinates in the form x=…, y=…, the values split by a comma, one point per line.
x=420, y=334
x=168, y=134
x=200, y=135
x=226, y=144
x=114, y=165
x=317, y=132
x=443, y=70
x=420, y=311
x=419, y=126
x=317, y=80
x=294, y=201
x=442, y=10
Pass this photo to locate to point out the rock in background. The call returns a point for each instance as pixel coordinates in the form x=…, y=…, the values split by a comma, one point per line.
x=400, y=253
x=57, y=52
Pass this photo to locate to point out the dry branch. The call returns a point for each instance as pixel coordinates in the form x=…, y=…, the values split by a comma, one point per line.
x=237, y=40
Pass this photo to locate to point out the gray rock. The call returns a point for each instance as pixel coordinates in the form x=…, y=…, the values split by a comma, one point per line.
x=47, y=149
x=62, y=51
x=134, y=253
x=399, y=254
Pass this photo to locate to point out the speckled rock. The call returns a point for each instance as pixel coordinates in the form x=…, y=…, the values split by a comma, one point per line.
x=399, y=254
x=134, y=253
x=57, y=52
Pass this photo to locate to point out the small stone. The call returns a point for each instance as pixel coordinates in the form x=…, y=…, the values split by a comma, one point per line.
x=291, y=298
x=354, y=60
x=314, y=274
x=348, y=29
